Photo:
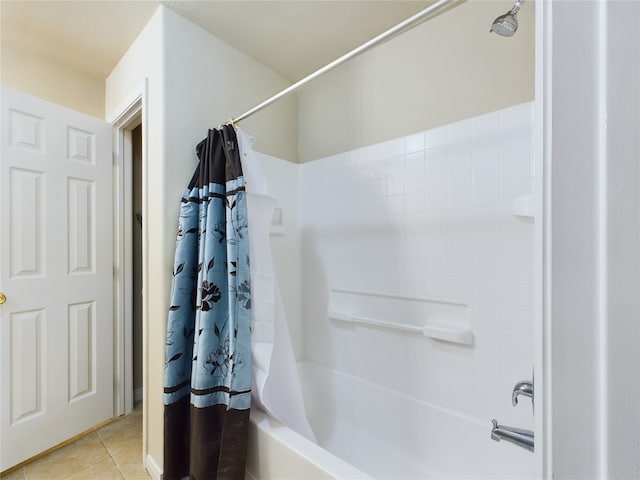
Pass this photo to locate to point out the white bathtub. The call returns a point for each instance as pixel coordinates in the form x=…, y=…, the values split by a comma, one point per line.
x=365, y=430
x=277, y=452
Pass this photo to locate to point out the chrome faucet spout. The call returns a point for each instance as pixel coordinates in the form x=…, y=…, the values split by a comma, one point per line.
x=518, y=436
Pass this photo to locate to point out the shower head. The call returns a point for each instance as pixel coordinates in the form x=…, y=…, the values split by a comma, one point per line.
x=507, y=24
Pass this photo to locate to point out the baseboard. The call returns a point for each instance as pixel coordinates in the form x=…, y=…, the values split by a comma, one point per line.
x=137, y=395
x=153, y=468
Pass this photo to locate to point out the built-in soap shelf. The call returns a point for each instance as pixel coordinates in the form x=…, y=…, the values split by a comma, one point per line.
x=437, y=319
x=277, y=231
x=277, y=225
x=524, y=207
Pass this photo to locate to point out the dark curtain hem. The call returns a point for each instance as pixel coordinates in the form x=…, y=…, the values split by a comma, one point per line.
x=221, y=436
x=176, y=440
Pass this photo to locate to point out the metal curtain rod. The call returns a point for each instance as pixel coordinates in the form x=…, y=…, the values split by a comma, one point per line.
x=408, y=23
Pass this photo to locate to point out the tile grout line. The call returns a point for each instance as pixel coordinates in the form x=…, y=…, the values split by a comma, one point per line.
x=118, y=467
x=113, y=460
x=96, y=462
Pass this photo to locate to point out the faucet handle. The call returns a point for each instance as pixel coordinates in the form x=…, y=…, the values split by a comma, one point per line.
x=522, y=388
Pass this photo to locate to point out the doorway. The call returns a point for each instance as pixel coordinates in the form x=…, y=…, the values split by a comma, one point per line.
x=130, y=264
x=136, y=248
x=129, y=255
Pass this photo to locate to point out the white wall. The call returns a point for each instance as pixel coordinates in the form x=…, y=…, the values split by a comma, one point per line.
x=447, y=69
x=430, y=217
x=27, y=71
x=144, y=61
x=623, y=239
x=195, y=82
x=592, y=119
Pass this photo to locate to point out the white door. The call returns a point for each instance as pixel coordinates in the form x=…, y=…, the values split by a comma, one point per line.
x=56, y=271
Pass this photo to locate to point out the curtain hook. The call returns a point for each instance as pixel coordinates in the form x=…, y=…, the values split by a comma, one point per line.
x=231, y=121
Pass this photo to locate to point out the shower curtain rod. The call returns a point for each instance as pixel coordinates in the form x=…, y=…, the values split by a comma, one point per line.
x=410, y=22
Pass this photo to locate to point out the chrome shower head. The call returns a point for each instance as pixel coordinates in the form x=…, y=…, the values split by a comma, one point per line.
x=507, y=24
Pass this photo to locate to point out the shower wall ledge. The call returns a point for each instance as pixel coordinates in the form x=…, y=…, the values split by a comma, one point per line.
x=440, y=320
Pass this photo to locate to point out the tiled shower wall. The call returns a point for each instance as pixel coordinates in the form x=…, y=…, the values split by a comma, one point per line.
x=429, y=217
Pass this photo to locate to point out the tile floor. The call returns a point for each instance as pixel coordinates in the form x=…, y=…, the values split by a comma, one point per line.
x=113, y=452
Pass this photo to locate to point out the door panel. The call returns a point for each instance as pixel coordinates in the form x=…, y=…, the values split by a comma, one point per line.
x=27, y=388
x=27, y=243
x=81, y=237
x=56, y=270
x=82, y=348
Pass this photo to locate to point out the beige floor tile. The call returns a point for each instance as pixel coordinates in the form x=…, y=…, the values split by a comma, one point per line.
x=131, y=456
x=135, y=472
x=129, y=462
x=105, y=470
x=123, y=434
x=15, y=475
x=132, y=470
x=112, y=453
x=74, y=458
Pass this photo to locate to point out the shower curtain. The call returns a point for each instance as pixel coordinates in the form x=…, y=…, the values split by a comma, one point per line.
x=276, y=385
x=207, y=389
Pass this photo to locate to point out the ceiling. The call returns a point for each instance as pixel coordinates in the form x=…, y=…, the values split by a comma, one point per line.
x=292, y=37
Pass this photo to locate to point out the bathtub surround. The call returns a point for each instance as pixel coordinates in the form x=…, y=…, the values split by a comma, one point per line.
x=207, y=391
x=435, y=227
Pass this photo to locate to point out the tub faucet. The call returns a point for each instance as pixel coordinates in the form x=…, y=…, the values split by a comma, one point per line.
x=522, y=388
x=518, y=436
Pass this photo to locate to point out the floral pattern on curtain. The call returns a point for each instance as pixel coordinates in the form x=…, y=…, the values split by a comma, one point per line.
x=207, y=388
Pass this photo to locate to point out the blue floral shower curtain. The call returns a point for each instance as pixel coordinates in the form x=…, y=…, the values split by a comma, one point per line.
x=207, y=388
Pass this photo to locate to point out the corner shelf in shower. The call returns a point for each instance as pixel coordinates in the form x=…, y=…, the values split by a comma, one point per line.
x=446, y=321
x=524, y=207
x=277, y=225
x=277, y=231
